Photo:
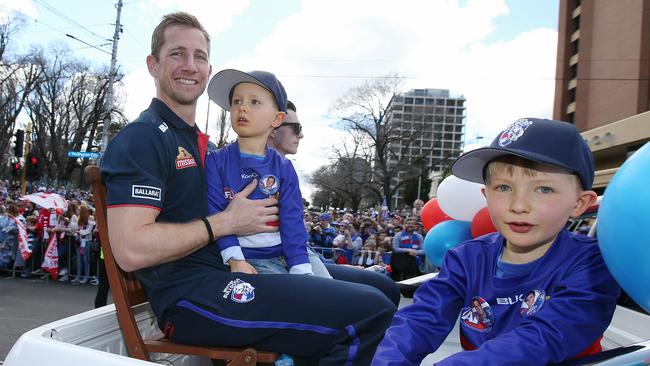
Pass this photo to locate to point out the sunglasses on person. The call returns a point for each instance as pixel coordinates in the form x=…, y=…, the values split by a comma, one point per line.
x=297, y=127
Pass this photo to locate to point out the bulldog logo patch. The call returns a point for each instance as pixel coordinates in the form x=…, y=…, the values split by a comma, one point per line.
x=239, y=291
x=514, y=132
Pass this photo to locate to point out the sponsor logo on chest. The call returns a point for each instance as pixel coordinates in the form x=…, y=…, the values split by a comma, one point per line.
x=184, y=159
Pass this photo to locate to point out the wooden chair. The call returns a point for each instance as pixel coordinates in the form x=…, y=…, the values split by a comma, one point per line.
x=128, y=293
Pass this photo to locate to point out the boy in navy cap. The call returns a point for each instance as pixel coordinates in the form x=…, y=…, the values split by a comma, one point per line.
x=258, y=104
x=532, y=293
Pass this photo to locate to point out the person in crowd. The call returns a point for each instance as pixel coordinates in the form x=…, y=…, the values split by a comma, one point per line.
x=159, y=226
x=67, y=238
x=257, y=102
x=323, y=234
x=32, y=263
x=537, y=174
x=86, y=224
x=407, y=246
x=417, y=209
x=285, y=138
x=282, y=141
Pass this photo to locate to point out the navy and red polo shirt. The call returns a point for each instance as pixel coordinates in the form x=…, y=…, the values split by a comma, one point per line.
x=157, y=161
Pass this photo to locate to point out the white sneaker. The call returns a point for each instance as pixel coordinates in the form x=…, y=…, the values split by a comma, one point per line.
x=64, y=278
x=63, y=272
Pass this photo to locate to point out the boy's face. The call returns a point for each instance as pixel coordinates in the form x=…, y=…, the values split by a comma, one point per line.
x=253, y=112
x=530, y=207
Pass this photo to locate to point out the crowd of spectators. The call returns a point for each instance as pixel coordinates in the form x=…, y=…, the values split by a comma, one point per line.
x=390, y=243
x=74, y=230
x=386, y=242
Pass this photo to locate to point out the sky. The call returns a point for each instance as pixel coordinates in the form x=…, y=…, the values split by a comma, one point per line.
x=499, y=54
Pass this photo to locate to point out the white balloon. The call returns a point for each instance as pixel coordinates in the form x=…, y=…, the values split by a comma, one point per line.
x=460, y=199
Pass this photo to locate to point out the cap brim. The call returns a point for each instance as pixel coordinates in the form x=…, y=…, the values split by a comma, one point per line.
x=469, y=166
x=222, y=83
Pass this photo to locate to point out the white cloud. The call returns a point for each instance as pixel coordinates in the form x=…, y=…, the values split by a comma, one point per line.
x=434, y=44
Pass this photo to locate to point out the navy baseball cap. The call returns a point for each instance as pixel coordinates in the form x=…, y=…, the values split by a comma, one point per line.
x=222, y=84
x=544, y=141
x=325, y=216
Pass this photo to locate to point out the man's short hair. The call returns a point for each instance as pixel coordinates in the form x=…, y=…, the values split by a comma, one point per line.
x=179, y=18
x=291, y=106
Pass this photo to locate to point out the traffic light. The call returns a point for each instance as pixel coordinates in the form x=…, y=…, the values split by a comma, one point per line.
x=20, y=139
x=33, y=169
x=15, y=170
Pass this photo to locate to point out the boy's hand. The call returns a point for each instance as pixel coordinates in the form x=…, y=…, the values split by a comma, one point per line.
x=241, y=266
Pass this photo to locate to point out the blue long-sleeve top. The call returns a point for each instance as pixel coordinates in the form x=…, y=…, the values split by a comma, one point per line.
x=573, y=297
x=228, y=172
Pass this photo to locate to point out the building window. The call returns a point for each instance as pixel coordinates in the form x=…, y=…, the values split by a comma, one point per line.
x=408, y=100
x=419, y=101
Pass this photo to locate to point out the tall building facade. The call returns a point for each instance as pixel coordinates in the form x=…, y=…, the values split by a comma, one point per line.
x=603, y=61
x=437, y=119
x=603, y=78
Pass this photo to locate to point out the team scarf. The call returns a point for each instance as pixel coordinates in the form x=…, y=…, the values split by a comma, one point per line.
x=25, y=250
x=411, y=242
x=51, y=260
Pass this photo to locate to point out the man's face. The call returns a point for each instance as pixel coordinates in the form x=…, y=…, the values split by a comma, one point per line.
x=284, y=138
x=183, y=67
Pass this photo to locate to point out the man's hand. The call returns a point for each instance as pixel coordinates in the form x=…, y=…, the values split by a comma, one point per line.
x=244, y=216
x=241, y=266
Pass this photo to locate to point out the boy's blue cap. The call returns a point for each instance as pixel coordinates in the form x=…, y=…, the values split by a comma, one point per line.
x=222, y=84
x=542, y=140
x=325, y=216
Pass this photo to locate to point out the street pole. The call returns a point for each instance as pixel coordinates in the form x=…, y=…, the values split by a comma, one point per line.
x=28, y=135
x=108, y=105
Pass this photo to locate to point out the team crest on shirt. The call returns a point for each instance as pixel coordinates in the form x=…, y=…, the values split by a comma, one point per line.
x=532, y=303
x=269, y=184
x=184, y=159
x=514, y=131
x=228, y=194
x=239, y=291
x=478, y=316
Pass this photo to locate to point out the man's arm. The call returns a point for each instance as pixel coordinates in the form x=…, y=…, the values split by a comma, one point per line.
x=138, y=241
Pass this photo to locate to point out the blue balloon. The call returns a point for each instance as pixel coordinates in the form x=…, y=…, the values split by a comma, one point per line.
x=623, y=222
x=445, y=236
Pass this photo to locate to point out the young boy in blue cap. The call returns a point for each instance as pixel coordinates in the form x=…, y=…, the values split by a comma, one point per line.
x=532, y=293
x=258, y=104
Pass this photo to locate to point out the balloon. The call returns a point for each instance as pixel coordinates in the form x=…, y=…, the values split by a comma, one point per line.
x=482, y=223
x=432, y=214
x=623, y=222
x=444, y=236
x=460, y=199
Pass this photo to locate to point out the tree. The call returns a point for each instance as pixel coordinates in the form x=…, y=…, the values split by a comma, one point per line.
x=223, y=129
x=348, y=176
x=364, y=111
x=17, y=79
x=66, y=108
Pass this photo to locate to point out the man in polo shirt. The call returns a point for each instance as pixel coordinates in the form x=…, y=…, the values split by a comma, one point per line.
x=157, y=208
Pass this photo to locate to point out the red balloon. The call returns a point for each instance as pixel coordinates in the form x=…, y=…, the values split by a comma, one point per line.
x=432, y=214
x=482, y=223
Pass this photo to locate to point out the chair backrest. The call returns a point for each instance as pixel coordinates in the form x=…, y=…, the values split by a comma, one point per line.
x=126, y=289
